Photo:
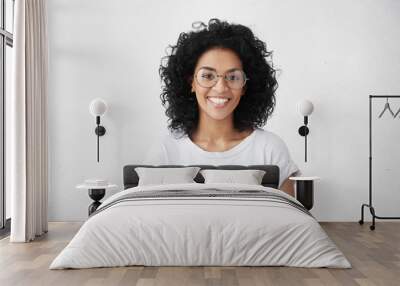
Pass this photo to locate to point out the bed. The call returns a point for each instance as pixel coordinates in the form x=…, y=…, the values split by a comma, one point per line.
x=201, y=224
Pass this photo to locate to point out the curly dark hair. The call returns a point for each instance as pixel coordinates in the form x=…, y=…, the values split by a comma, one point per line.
x=177, y=69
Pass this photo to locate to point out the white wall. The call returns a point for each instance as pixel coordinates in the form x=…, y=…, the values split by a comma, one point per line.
x=334, y=53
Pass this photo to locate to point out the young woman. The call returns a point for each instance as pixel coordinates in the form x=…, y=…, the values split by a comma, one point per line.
x=219, y=90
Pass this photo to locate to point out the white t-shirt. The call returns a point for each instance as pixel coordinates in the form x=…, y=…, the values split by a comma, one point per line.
x=261, y=147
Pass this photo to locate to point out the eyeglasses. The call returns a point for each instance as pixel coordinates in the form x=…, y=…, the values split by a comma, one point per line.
x=207, y=78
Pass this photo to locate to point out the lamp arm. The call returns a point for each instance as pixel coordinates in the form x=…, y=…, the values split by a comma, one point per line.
x=98, y=147
x=98, y=136
x=305, y=146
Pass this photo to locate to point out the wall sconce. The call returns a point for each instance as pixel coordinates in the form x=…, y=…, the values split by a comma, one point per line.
x=305, y=108
x=97, y=108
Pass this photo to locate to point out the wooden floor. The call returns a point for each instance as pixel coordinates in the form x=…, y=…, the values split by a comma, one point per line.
x=374, y=255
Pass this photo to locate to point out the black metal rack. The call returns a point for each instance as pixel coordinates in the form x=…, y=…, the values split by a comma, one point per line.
x=370, y=206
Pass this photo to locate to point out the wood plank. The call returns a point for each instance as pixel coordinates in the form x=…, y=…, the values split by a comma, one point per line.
x=374, y=255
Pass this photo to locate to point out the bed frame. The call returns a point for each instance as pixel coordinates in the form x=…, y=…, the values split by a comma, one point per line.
x=270, y=179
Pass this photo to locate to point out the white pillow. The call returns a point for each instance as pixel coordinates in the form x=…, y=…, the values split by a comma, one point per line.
x=249, y=177
x=163, y=176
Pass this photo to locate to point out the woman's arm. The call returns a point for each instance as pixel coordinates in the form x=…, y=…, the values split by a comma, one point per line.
x=288, y=187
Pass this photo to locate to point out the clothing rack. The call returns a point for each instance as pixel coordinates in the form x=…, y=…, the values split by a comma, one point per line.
x=369, y=205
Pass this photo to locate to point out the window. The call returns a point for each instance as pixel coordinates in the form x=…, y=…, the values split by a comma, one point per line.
x=6, y=44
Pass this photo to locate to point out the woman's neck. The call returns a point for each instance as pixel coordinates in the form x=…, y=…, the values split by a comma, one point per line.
x=217, y=135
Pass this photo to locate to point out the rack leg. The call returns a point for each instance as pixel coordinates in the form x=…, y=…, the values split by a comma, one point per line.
x=361, y=221
x=372, y=210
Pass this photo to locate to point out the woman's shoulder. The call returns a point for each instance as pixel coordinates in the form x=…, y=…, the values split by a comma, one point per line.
x=268, y=137
x=171, y=140
x=164, y=147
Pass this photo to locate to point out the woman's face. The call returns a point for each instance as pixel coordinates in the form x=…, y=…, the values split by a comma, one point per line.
x=219, y=101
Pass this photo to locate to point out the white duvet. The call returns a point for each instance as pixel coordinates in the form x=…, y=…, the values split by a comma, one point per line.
x=200, y=231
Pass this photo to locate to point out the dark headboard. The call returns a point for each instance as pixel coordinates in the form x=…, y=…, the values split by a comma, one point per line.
x=270, y=179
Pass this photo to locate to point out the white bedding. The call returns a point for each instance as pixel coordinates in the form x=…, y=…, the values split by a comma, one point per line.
x=200, y=231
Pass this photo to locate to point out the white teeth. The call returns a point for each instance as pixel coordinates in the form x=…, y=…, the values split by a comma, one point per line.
x=218, y=100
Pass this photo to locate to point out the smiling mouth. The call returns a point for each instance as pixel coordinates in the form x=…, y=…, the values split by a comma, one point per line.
x=218, y=102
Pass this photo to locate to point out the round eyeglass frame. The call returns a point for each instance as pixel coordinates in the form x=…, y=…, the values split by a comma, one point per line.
x=223, y=76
